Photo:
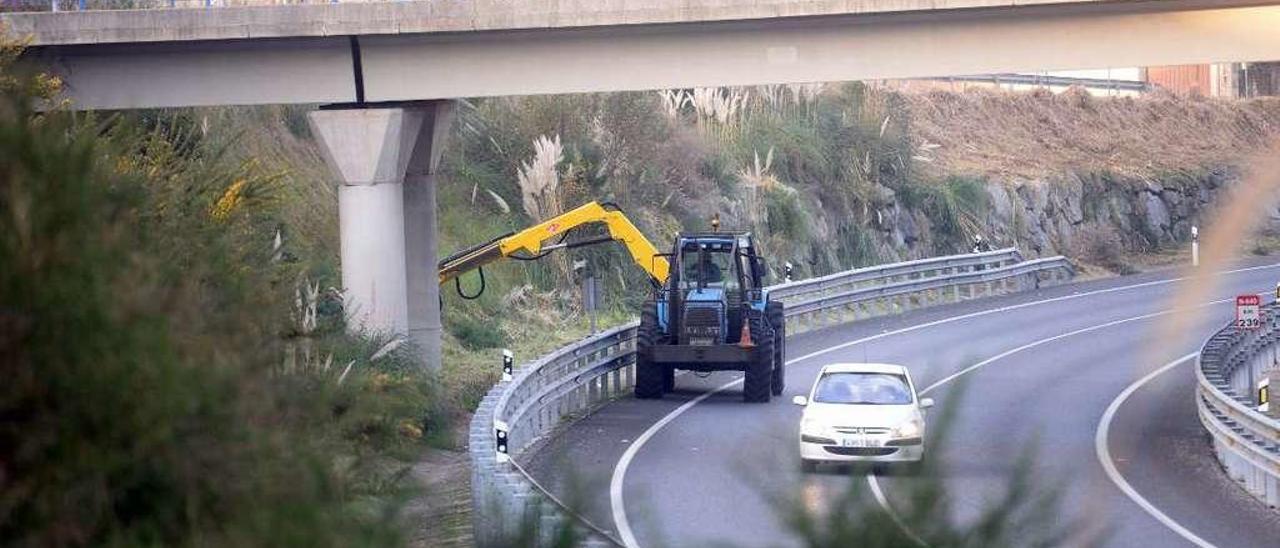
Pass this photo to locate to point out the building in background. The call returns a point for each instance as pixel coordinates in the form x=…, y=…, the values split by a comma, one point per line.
x=1258, y=79
x=1218, y=80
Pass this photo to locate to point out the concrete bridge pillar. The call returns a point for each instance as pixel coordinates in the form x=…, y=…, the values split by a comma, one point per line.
x=385, y=160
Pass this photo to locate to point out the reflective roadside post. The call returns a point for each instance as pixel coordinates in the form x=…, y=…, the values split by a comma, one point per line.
x=501, y=431
x=500, y=435
x=1195, y=246
x=787, y=270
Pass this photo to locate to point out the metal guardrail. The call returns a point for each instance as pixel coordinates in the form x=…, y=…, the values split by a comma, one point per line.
x=926, y=291
x=576, y=379
x=1106, y=84
x=1246, y=442
x=894, y=272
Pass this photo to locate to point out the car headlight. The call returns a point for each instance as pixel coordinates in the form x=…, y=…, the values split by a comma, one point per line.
x=813, y=426
x=909, y=429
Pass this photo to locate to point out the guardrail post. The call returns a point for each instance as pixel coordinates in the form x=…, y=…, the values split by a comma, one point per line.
x=508, y=364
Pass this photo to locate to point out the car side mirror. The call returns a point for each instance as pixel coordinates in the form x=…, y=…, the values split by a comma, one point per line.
x=926, y=403
x=800, y=400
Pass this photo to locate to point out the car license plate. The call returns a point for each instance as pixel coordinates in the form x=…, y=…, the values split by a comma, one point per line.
x=860, y=441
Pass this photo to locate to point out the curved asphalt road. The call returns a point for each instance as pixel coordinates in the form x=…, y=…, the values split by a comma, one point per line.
x=1052, y=362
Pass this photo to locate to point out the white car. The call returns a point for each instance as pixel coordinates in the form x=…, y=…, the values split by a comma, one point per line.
x=862, y=412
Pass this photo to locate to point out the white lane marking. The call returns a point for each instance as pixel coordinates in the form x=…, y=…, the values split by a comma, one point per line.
x=979, y=313
x=875, y=484
x=1047, y=340
x=1104, y=455
x=616, y=481
x=884, y=503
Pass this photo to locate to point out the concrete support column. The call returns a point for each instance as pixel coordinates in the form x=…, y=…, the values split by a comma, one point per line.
x=422, y=251
x=387, y=219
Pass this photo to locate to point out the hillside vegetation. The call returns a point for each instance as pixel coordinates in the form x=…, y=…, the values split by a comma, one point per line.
x=828, y=177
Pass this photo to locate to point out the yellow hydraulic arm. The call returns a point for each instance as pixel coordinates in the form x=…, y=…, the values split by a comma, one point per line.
x=530, y=241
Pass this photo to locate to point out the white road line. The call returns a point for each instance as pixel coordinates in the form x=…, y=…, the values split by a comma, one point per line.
x=1104, y=455
x=618, y=504
x=884, y=503
x=875, y=484
x=1047, y=340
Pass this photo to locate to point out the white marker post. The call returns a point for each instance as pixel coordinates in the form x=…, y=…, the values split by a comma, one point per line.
x=1195, y=246
x=508, y=364
x=500, y=434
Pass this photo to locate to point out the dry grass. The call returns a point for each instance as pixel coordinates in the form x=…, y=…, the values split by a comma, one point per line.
x=1034, y=134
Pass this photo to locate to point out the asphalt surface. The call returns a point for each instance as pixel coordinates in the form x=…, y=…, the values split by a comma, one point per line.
x=1048, y=363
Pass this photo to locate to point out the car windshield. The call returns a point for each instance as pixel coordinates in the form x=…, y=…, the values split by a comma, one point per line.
x=863, y=388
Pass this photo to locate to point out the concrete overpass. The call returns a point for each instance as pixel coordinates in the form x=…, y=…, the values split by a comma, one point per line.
x=440, y=49
x=388, y=70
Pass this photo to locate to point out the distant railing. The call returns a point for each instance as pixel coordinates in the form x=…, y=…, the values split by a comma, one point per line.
x=102, y=5
x=1246, y=442
x=576, y=379
x=1047, y=80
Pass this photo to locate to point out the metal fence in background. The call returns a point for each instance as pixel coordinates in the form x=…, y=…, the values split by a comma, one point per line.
x=103, y=5
x=573, y=381
x=1246, y=442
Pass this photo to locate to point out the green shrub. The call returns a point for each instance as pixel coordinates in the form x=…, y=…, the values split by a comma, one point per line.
x=476, y=334
x=955, y=205
x=144, y=340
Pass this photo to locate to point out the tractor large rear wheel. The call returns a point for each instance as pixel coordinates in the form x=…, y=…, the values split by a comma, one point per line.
x=758, y=380
x=649, y=375
x=779, y=322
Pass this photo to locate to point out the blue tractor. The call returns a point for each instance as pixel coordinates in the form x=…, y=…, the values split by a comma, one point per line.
x=713, y=313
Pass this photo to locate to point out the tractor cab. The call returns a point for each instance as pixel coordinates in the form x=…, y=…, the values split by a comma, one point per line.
x=716, y=278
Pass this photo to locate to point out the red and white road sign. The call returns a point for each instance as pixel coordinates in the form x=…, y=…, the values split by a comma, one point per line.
x=1248, y=312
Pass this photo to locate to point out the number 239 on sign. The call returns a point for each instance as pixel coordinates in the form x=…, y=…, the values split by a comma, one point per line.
x=1248, y=312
